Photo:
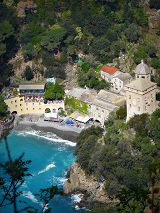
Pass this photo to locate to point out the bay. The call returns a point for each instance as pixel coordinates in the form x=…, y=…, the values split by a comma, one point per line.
x=50, y=158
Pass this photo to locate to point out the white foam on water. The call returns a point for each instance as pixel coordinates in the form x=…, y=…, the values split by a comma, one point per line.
x=62, y=180
x=29, y=195
x=76, y=198
x=48, y=136
x=77, y=207
x=48, y=167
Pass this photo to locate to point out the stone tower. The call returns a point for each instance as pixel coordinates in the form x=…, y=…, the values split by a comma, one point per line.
x=143, y=71
x=140, y=97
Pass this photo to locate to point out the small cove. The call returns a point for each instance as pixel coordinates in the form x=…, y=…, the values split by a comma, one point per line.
x=50, y=158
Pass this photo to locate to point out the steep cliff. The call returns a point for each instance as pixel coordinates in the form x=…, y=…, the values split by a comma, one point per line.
x=78, y=181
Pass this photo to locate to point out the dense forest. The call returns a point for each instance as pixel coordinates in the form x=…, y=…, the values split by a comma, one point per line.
x=127, y=156
x=51, y=32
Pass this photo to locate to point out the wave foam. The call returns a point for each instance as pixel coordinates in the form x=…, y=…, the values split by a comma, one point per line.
x=48, y=136
x=29, y=195
x=76, y=198
x=50, y=166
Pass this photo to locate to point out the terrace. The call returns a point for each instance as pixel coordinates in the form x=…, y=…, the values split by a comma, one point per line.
x=31, y=89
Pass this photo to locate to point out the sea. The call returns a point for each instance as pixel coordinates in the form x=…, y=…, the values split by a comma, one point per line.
x=51, y=157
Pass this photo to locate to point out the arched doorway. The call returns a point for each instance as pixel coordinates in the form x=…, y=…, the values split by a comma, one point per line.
x=14, y=113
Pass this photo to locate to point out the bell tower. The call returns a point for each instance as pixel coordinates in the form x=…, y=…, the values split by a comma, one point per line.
x=143, y=71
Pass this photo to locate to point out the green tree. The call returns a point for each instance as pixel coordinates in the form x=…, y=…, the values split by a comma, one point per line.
x=141, y=53
x=155, y=63
x=3, y=108
x=54, y=91
x=132, y=33
x=121, y=112
x=28, y=73
x=125, y=159
x=8, y=42
x=53, y=37
x=138, y=123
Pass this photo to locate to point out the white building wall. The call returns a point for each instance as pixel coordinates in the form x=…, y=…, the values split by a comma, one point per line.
x=99, y=113
x=117, y=84
x=21, y=106
x=105, y=76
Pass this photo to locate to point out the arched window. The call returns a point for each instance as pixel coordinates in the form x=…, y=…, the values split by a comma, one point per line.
x=47, y=110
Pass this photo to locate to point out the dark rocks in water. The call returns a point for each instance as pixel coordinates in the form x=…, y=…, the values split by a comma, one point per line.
x=93, y=190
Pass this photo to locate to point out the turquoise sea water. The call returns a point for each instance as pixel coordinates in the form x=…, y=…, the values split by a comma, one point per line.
x=50, y=159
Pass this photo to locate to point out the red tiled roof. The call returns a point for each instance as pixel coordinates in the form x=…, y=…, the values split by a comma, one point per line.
x=110, y=70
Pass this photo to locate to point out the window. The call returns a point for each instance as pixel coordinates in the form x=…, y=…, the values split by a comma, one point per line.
x=20, y=104
x=21, y=110
x=139, y=108
x=129, y=96
x=33, y=108
x=97, y=108
x=26, y=108
x=130, y=105
x=15, y=101
x=32, y=103
x=39, y=108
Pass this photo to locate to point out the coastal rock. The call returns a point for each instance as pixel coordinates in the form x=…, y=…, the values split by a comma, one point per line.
x=78, y=181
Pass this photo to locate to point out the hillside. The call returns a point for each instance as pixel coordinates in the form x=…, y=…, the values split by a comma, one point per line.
x=123, y=159
x=47, y=35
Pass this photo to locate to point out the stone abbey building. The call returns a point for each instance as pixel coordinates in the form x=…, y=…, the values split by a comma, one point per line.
x=141, y=93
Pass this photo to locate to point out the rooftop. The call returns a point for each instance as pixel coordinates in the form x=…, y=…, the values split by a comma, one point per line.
x=124, y=76
x=141, y=84
x=82, y=94
x=76, y=92
x=104, y=104
x=79, y=116
x=110, y=70
x=111, y=97
x=142, y=69
x=31, y=87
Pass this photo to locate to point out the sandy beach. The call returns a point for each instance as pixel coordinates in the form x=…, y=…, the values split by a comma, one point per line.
x=61, y=130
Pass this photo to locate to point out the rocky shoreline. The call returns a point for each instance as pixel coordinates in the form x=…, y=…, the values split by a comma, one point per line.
x=89, y=186
x=77, y=181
